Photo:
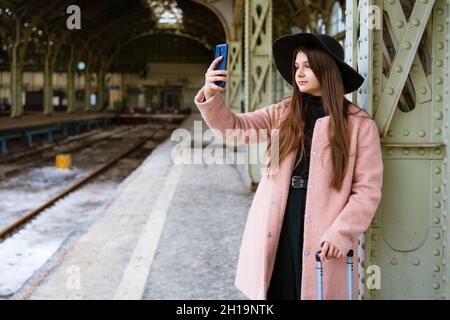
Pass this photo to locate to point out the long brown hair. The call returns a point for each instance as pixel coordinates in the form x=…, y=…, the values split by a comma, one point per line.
x=291, y=131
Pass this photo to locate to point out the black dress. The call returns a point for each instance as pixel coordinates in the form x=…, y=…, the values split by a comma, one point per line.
x=285, y=282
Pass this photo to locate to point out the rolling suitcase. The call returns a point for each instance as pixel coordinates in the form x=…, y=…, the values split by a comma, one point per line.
x=319, y=276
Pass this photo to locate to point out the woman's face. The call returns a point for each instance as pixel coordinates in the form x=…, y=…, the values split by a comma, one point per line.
x=305, y=79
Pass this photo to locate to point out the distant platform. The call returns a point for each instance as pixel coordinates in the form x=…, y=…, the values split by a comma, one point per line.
x=35, y=123
x=39, y=120
x=143, y=118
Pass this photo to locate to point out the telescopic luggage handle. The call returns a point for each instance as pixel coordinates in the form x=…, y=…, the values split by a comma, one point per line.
x=319, y=276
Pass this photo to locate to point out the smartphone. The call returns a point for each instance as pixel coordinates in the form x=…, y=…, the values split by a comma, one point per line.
x=221, y=50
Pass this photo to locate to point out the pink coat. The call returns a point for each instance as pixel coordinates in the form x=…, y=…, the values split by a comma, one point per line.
x=337, y=217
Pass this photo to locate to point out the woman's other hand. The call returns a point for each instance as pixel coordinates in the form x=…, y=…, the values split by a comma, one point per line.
x=329, y=251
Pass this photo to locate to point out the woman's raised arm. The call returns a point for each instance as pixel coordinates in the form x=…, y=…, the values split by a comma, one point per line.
x=250, y=127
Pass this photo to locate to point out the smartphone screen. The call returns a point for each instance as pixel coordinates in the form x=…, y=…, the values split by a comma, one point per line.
x=221, y=50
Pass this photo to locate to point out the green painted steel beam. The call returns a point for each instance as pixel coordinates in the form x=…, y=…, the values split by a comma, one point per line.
x=403, y=60
x=233, y=87
x=258, y=72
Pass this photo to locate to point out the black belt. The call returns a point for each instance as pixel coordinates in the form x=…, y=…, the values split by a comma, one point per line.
x=299, y=182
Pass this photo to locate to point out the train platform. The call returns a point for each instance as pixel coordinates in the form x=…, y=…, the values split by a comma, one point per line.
x=173, y=231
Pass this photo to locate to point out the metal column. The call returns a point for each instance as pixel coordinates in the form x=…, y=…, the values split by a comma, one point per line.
x=407, y=65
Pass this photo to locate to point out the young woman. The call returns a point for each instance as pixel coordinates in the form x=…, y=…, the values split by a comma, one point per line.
x=328, y=184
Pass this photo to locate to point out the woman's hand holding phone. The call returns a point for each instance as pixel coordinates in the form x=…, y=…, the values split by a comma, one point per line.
x=211, y=76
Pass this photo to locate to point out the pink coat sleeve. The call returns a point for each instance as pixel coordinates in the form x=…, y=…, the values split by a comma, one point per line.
x=247, y=127
x=365, y=196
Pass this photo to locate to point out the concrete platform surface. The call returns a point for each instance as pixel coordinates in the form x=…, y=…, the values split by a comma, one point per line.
x=172, y=232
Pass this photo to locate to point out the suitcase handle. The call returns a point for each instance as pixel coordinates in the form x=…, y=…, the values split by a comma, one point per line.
x=319, y=275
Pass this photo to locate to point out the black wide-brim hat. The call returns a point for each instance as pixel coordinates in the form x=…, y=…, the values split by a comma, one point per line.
x=283, y=49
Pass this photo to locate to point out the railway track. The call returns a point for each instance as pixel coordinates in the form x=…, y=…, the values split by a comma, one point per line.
x=142, y=139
